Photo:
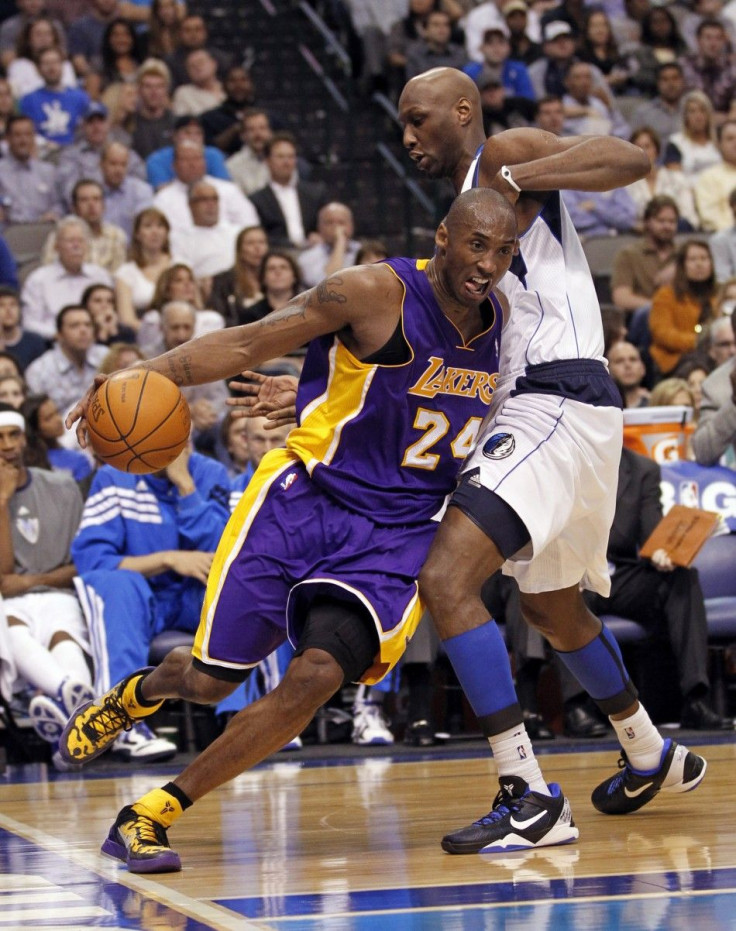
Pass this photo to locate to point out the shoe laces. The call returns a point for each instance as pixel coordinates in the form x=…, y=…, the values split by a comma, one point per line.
x=503, y=805
x=618, y=780
x=109, y=716
x=148, y=831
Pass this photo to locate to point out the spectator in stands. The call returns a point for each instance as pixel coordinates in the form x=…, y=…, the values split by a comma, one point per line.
x=153, y=126
x=207, y=245
x=120, y=356
x=628, y=371
x=193, y=35
x=25, y=345
x=45, y=643
x=160, y=164
x=248, y=167
x=99, y=300
x=86, y=35
x=106, y=243
x=190, y=166
x=12, y=27
x=714, y=184
x=120, y=56
x=585, y=112
x=401, y=34
x=51, y=287
x=671, y=392
x=55, y=110
x=371, y=250
x=60, y=371
x=27, y=185
x=695, y=371
x=497, y=63
x=435, y=48
x=721, y=343
x=222, y=123
x=13, y=390
x=682, y=310
x=143, y=551
x=163, y=27
x=125, y=195
x=661, y=45
x=150, y=256
x=203, y=90
x=659, y=595
x=7, y=109
x=9, y=365
x=287, y=206
x=596, y=213
x=121, y=101
x=598, y=47
x=548, y=73
x=663, y=112
x=551, y=115
x=43, y=421
x=279, y=279
x=500, y=110
x=723, y=245
x=337, y=248
x=692, y=148
x=235, y=290
x=661, y=180
x=487, y=15
x=178, y=322
x=523, y=47
x=712, y=68
x=36, y=36
x=714, y=439
x=644, y=266
x=82, y=158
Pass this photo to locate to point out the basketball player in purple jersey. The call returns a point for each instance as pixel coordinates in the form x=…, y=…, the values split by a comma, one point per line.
x=328, y=539
x=541, y=481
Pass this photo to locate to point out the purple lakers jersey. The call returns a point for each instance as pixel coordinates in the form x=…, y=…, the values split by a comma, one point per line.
x=387, y=441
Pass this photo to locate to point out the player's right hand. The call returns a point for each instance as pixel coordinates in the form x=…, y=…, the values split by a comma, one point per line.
x=269, y=396
x=79, y=412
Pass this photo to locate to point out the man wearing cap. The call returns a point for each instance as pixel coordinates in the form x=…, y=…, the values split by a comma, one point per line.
x=548, y=74
x=28, y=191
x=81, y=159
x=160, y=164
x=487, y=15
x=497, y=65
x=523, y=47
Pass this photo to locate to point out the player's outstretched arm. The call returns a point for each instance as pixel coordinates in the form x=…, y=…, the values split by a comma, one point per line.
x=542, y=161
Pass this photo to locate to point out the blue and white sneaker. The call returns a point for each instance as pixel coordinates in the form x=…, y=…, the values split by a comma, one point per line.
x=50, y=715
x=141, y=745
x=520, y=819
x=679, y=770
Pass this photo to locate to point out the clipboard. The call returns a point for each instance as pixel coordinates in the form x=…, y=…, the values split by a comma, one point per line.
x=681, y=533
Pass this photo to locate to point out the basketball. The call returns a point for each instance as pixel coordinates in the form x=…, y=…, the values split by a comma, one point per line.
x=138, y=421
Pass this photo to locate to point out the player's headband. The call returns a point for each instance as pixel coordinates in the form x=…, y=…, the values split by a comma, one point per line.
x=12, y=419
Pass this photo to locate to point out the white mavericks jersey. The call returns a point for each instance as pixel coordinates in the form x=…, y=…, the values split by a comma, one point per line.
x=555, y=314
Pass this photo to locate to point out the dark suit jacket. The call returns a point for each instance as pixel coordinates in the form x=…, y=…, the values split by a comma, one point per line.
x=311, y=194
x=638, y=506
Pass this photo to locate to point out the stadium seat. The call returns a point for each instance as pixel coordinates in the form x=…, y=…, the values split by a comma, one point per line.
x=716, y=565
x=26, y=240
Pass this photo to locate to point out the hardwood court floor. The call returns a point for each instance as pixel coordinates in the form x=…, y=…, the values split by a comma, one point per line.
x=349, y=842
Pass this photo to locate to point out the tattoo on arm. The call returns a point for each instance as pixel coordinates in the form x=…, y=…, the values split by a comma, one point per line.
x=297, y=307
x=325, y=295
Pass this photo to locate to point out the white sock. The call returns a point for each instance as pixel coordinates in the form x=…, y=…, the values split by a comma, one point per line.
x=640, y=739
x=71, y=658
x=34, y=662
x=514, y=756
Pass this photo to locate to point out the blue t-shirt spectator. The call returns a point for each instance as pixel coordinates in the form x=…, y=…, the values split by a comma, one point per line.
x=55, y=113
x=160, y=165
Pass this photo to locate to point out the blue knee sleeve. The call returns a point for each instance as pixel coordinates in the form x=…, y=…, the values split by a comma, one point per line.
x=481, y=663
x=599, y=668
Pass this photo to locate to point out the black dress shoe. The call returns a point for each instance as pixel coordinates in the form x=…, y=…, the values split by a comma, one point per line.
x=536, y=728
x=698, y=716
x=419, y=734
x=582, y=723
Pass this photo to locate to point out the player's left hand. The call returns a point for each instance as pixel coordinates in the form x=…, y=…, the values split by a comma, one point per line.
x=269, y=396
x=661, y=561
x=79, y=412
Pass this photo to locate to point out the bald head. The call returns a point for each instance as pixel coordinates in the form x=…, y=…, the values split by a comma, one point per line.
x=477, y=208
x=440, y=111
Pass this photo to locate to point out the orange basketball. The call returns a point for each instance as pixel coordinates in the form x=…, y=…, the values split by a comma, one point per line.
x=138, y=421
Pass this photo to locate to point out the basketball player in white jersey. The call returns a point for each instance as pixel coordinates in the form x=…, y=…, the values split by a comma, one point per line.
x=538, y=492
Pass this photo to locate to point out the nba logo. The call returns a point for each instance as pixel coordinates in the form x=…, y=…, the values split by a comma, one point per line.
x=688, y=494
